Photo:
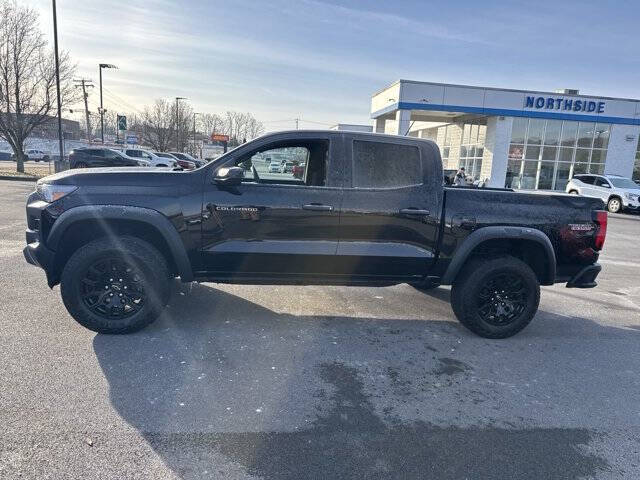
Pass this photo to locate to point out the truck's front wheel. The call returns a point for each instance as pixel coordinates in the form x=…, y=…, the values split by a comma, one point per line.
x=116, y=285
x=495, y=297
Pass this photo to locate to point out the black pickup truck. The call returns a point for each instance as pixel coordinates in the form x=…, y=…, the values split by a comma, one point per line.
x=368, y=209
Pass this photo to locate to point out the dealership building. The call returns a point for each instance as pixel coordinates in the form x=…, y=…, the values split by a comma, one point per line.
x=515, y=138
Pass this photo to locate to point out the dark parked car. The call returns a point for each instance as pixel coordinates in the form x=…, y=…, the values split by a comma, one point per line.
x=6, y=156
x=102, y=157
x=371, y=210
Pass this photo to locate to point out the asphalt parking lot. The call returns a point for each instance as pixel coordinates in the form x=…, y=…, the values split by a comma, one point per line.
x=240, y=382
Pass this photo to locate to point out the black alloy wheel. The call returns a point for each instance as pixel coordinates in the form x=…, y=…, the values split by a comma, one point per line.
x=113, y=289
x=502, y=299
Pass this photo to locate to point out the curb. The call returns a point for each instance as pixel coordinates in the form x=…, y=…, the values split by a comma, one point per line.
x=13, y=177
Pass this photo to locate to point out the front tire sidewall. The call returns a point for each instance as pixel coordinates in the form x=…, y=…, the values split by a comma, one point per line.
x=465, y=293
x=155, y=278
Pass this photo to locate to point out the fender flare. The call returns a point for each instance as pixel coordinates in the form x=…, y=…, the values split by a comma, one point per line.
x=495, y=232
x=126, y=212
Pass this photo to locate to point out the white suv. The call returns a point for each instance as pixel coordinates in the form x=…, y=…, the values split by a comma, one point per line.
x=153, y=159
x=619, y=193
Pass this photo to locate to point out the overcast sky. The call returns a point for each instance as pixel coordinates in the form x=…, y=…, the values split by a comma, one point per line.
x=321, y=61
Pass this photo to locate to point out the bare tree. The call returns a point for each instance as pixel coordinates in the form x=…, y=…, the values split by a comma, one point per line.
x=241, y=127
x=27, y=76
x=212, y=123
x=158, y=125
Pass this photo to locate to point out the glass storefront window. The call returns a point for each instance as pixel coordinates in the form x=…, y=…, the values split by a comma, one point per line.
x=536, y=128
x=569, y=134
x=601, y=138
x=554, y=150
x=528, y=175
x=582, y=154
x=580, y=168
x=585, y=135
x=562, y=175
x=519, y=130
x=566, y=154
x=516, y=152
x=549, y=153
x=532, y=153
x=598, y=156
x=545, y=178
x=513, y=174
x=552, y=132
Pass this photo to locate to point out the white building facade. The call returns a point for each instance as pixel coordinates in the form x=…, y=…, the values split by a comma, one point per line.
x=515, y=138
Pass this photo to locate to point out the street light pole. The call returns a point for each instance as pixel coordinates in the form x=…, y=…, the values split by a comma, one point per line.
x=178, y=122
x=55, y=43
x=194, y=131
x=100, y=67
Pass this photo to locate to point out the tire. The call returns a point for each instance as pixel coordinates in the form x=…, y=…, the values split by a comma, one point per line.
x=36, y=160
x=45, y=158
x=614, y=205
x=80, y=165
x=474, y=292
x=573, y=192
x=126, y=258
x=161, y=165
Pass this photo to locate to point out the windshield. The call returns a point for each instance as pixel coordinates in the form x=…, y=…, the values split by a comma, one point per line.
x=624, y=183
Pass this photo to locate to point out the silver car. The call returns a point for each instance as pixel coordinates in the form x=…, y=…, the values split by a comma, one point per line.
x=619, y=193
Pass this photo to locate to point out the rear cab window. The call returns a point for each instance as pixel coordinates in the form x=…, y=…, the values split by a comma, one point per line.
x=382, y=165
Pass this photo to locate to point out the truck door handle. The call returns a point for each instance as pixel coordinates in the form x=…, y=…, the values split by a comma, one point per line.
x=414, y=211
x=317, y=207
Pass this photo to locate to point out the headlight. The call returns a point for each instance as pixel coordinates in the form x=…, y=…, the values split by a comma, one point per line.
x=51, y=193
x=632, y=196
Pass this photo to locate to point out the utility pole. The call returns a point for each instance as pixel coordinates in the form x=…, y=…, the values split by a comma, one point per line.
x=178, y=122
x=102, y=110
x=297, y=120
x=194, y=133
x=85, y=84
x=55, y=41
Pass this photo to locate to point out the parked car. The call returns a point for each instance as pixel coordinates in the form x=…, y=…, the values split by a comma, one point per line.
x=619, y=193
x=102, y=157
x=35, y=155
x=288, y=167
x=356, y=219
x=298, y=170
x=153, y=159
x=275, y=167
x=6, y=156
x=188, y=158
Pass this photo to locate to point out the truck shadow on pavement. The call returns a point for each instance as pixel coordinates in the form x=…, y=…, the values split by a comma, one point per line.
x=221, y=387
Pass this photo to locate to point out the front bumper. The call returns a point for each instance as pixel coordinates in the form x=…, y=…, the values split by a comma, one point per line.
x=585, y=278
x=37, y=254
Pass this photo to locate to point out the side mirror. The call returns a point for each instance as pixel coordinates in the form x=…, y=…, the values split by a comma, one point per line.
x=229, y=176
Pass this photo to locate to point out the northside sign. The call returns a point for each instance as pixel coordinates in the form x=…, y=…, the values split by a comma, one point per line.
x=560, y=103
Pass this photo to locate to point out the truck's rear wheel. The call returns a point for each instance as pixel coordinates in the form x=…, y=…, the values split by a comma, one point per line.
x=117, y=285
x=495, y=297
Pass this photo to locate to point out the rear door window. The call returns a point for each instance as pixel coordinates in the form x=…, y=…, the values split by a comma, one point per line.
x=601, y=182
x=588, y=179
x=385, y=165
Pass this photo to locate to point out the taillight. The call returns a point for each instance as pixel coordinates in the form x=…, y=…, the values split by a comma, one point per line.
x=600, y=217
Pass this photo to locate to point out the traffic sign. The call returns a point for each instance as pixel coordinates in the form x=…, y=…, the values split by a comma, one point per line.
x=122, y=122
x=132, y=139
